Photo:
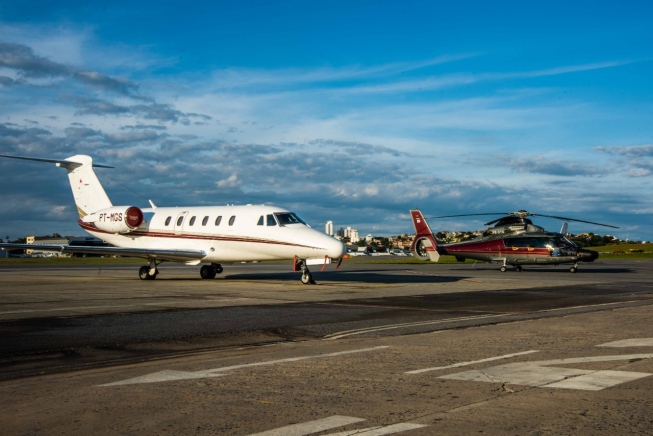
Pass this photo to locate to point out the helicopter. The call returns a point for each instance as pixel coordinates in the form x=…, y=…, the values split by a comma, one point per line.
x=514, y=240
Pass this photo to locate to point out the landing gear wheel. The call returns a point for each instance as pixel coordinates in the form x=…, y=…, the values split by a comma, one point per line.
x=519, y=268
x=573, y=269
x=144, y=273
x=208, y=271
x=218, y=268
x=307, y=278
x=503, y=269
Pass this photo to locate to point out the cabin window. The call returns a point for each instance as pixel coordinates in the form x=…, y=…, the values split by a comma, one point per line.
x=180, y=220
x=260, y=221
x=192, y=221
x=218, y=220
x=526, y=242
x=231, y=220
x=205, y=220
x=168, y=221
x=271, y=220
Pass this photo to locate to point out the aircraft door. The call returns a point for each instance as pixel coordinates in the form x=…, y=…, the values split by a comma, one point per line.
x=180, y=221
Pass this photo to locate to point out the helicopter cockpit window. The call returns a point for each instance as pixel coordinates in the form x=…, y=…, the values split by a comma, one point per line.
x=563, y=241
x=287, y=218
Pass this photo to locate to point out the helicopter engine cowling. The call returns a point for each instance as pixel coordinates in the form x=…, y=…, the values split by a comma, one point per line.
x=116, y=219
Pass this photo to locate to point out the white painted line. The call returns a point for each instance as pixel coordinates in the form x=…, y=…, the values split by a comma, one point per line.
x=60, y=309
x=635, y=342
x=458, y=365
x=355, y=332
x=169, y=375
x=543, y=374
x=311, y=427
x=380, y=431
x=123, y=306
x=618, y=303
x=598, y=380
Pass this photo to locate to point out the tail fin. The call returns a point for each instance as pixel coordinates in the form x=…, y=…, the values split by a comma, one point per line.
x=424, y=246
x=87, y=190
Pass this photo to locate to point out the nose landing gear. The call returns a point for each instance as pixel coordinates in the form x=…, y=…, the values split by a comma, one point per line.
x=307, y=277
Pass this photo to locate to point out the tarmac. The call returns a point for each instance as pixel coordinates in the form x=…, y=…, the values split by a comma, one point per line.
x=371, y=349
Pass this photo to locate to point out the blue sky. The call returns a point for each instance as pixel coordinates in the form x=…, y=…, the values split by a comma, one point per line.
x=345, y=111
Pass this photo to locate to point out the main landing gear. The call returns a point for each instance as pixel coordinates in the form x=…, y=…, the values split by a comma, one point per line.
x=307, y=277
x=149, y=272
x=504, y=268
x=210, y=271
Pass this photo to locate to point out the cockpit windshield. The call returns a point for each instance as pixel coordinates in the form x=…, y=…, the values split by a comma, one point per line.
x=287, y=218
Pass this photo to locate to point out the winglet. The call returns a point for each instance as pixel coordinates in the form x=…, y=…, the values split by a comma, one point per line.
x=424, y=246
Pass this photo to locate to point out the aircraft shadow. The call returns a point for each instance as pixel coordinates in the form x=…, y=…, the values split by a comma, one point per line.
x=355, y=276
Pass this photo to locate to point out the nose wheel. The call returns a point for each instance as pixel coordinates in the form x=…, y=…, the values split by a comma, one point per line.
x=307, y=277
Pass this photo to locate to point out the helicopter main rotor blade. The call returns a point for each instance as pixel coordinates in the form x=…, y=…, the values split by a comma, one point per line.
x=469, y=214
x=573, y=219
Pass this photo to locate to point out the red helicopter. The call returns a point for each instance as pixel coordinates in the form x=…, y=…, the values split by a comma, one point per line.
x=514, y=240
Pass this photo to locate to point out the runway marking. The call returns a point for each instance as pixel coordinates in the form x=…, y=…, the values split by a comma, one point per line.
x=541, y=374
x=635, y=342
x=163, y=303
x=457, y=365
x=63, y=308
x=380, y=431
x=346, y=333
x=310, y=427
x=170, y=375
x=355, y=332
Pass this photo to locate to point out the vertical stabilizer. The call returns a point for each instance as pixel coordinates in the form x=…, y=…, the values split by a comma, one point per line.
x=87, y=190
x=424, y=246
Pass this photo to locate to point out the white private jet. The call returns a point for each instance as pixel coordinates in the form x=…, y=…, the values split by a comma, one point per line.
x=207, y=234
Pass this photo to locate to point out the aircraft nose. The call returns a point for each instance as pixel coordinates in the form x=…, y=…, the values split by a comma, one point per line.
x=589, y=255
x=336, y=249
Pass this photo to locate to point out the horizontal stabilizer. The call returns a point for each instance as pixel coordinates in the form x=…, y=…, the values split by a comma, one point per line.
x=60, y=162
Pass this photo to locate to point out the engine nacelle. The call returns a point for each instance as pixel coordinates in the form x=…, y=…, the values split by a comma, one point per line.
x=116, y=219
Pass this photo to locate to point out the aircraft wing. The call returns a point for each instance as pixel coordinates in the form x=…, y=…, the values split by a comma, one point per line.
x=147, y=253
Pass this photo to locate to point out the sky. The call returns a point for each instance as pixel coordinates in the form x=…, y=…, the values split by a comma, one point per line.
x=349, y=111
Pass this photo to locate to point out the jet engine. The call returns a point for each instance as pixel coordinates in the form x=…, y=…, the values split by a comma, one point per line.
x=116, y=219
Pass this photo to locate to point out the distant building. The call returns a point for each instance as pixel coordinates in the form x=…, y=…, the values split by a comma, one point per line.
x=353, y=236
x=329, y=228
x=44, y=241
